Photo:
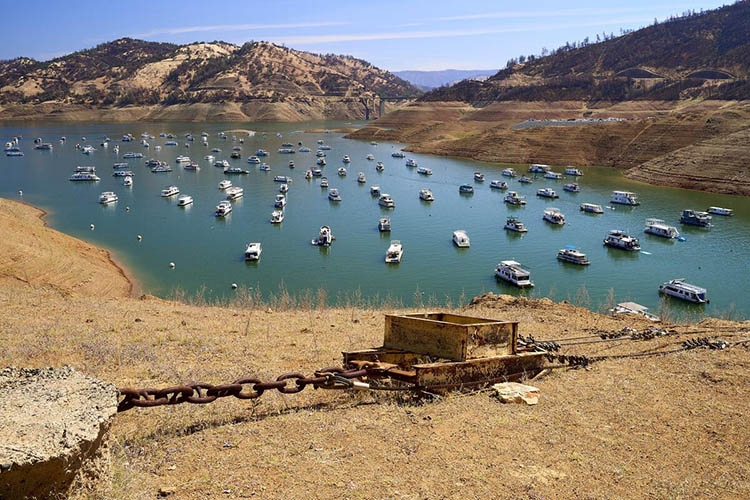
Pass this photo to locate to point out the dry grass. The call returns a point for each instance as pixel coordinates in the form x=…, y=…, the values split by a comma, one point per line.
x=666, y=427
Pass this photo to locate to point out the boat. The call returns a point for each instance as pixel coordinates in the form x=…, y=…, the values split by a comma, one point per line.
x=127, y=181
x=346, y=159
x=379, y=166
x=325, y=237
x=221, y=163
x=619, y=239
x=253, y=251
x=170, y=191
x=236, y=148
x=375, y=190
x=84, y=176
x=319, y=141
x=107, y=197
x=509, y=172
x=573, y=171
x=513, y=224
x=304, y=150
x=14, y=151
x=384, y=224
x=223, y=208
x=254, y=159
x=316, y=172
x=478, y=176
x=284, y=188
x=373, y=143
x=192, y=166
x=133, y=155
x=554, y=216
x=127, y=138
x=291, y=164
x=320, y=153
x=424, y=171
x=513, y=198
x=234, y=193
x=287, y=151
x=334, y=195
x=264, y=167
x=86, y=169
x=261, y=152
x=308, y=174
x=342, y=171
x=280, y=201
x=426, y=195
x=120, y=165
x=728, y=212
x=461, y=239
x=226, y=183
x=386, y=201
x=512, y=272
x=154, y=162
x=685, y=291
x=466, y=189
x=695, y=218
x=370, y=157
x=321, y=162
x=324, y=182
x=591, y=208
x=184, y=200
x=547, y=193
x=538, y=168
x=277, y=216
x=161, y=169
x=498, y=184
x=398, y=154
x=361, y=178
x=123, y=173
x=411, y=163
x=216, y=150
x=573, y=187
x=625, y=198
x=573, y=256
x=633, y=308
x=394, y=253
x=235, y=170
x=282, y=178
x=87, y=150
x=287, y=145
x=45, y=146
x=170, y=143
x=553, y=175
x=658, y=227
x=525, y=179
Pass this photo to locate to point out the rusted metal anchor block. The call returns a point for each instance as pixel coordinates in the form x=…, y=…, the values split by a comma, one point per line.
x=440, y=351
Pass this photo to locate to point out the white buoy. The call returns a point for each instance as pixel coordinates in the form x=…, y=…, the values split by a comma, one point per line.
x=171, y=264
x=92, y=227
x=234, y=286
x=140, y=237
x=127, y=209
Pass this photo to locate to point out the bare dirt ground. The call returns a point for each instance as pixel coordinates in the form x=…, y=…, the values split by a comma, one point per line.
x=662, y=427
x=697, y=132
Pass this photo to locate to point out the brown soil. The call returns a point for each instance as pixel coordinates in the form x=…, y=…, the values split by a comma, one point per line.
x=701, y=130
x=672, y=426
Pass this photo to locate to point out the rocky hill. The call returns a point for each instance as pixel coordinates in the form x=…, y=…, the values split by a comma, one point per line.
x=697, y=55
x=130, y=72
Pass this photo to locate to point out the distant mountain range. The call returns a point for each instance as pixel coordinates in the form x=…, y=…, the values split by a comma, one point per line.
x=703, y=55
x=136, y=72
x=427, y=80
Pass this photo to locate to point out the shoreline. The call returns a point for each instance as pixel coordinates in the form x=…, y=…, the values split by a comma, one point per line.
x=133, y=285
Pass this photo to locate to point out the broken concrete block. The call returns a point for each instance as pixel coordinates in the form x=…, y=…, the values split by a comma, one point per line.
x=513, y=392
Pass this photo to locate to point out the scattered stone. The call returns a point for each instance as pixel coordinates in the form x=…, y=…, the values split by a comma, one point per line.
x=513, y=392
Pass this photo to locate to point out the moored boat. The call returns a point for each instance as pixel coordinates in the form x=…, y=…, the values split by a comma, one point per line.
x=426, y=195
x=658, y=227
x=513, y=224
x=253, y=251
x=513, y=198
x=591, y=208
x=512, y=272
x=728, y=212
x=386, y=201
x=547, y=193
x=498, y=184
x=184, y=200
x=461, y=239
x=682, y=290
x=695, y=218
x=573, y=256
x=325, y=237
x=384, y=224
x=625, y=198
x=619, y=239
x=107, y=197
x=170, y=191
x=223, y=208
x=394, y=253
x=554, y=216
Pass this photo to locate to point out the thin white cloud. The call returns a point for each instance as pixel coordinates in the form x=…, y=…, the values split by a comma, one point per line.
x=231, y=27
x=401, y=35
x=553, y=13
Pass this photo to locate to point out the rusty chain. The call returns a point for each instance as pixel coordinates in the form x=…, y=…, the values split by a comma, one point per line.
x=244, y=388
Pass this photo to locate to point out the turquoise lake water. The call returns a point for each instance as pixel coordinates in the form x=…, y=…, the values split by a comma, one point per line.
x=208, y=252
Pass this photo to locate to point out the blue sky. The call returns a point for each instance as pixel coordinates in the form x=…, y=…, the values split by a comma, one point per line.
x=395, y=35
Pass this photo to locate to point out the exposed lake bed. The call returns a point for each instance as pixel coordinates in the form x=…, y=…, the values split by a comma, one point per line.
x=208, y=251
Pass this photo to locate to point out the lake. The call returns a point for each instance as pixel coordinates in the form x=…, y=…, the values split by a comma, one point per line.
x=208, y=252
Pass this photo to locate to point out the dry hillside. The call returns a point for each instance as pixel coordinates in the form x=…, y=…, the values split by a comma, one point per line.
x=124, y=74
x=660, y=427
